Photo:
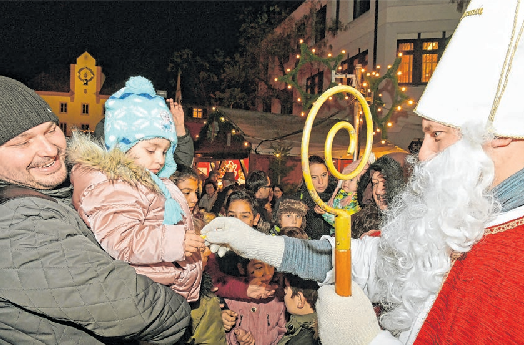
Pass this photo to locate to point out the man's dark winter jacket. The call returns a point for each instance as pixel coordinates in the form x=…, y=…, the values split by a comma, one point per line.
x=57, y=286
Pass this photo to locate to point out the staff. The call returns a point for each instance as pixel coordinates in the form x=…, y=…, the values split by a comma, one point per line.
x=343, y=218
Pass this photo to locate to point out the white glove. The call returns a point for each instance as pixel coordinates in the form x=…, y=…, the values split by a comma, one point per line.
x=247, y=242
x=345, y=320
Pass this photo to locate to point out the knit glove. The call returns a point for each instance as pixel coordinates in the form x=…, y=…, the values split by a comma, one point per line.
x=345, y=320
x=232, y=233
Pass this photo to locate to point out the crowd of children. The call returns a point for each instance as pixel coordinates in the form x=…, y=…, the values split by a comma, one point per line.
x=146, y=210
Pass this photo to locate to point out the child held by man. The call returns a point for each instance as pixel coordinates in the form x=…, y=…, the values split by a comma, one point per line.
x=123, y=191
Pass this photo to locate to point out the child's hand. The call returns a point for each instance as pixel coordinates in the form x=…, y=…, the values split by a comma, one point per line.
x=258, y=290
x=178, y=116
x=229, y=318
x=244, y=337
x=193, y=243
x=319, y=210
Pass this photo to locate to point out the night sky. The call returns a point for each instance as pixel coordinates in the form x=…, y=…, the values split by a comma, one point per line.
x=125, y=38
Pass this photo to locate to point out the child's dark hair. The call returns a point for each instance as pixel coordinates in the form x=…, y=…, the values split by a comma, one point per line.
x=243, y=195
x=256, y=180
x=309, y=288
x=182, y=173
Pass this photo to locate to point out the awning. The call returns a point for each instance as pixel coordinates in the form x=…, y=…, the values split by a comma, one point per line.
x=265, y=129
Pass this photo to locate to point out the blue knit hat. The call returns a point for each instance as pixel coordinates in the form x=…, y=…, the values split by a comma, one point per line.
x=136, y=113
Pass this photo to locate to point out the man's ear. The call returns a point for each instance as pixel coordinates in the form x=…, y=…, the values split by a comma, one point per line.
x=500, y=142
x=257, y=218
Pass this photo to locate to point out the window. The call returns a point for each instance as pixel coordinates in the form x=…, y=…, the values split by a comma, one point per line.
x=320, y=24
x=419, y=59
x=315, y=84
x=266, y=105
x=84, y=127
x=198, y=113
x=85, y=109
x=286, y=103
x=360, y=7
x=63, y=107
x=63, y=127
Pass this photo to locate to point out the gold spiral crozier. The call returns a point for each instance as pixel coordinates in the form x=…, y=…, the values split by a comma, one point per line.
x=342, y=218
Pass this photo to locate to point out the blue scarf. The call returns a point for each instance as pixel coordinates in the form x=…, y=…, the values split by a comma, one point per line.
x=510, y=192
x=173, y=212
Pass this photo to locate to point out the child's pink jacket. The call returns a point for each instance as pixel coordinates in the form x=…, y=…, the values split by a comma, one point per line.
x=125, y=210
x=264, y=318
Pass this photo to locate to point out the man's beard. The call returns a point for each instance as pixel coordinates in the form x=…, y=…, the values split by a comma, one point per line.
x=443, y=209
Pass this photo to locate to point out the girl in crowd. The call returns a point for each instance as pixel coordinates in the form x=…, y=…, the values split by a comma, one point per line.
x=124, y=195
x=325, y=185
x=206, y=322
x=261, y=321
x=240, y=204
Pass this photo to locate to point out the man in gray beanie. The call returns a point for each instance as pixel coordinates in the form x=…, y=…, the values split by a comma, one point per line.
x=56, y=284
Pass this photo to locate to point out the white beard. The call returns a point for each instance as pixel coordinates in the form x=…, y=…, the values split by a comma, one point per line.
x=444, y=208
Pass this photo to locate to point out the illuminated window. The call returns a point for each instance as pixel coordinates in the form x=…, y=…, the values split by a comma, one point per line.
x=419, y=59
x=63, y=107
x=85, y=109
x=198, y=113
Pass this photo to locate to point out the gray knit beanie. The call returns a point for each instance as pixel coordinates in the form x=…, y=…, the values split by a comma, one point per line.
x=20, y=109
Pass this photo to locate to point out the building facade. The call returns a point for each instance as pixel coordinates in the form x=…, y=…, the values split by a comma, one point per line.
x=83, y=106
x=372, y=33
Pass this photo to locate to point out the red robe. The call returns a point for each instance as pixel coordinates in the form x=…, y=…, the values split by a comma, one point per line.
x=482, y=299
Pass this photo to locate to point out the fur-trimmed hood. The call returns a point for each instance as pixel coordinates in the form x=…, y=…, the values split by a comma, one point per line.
x=91, y=154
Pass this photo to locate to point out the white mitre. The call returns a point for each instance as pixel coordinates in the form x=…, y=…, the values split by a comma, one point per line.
x=481, y=73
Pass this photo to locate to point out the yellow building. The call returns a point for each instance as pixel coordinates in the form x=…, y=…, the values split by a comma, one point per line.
x=83, y=106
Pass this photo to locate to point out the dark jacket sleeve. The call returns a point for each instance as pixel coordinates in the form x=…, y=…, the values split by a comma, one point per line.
x=185, y=150
x=51, y=266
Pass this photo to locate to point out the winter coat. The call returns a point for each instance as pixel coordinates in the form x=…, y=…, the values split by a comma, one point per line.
x=264, y=318
x=316, y=226
x=124, y=208
x=206, y=318
x=57, y=286
x=301, y=330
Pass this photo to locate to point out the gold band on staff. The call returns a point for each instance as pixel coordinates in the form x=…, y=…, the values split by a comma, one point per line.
x=342, y=218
